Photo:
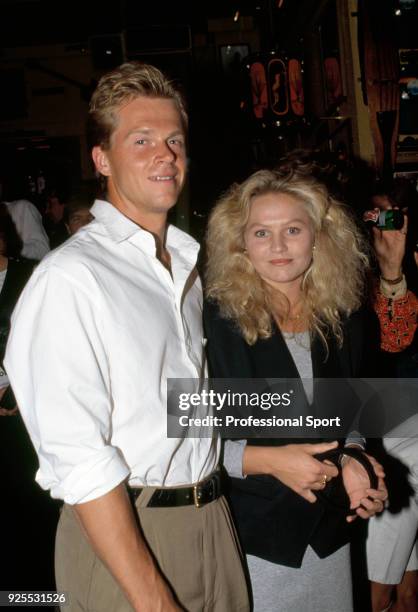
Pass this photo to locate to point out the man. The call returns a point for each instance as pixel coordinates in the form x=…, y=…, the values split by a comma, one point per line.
x=54, y=221
x=77, y=215
x=28, y=222
x=107, y=318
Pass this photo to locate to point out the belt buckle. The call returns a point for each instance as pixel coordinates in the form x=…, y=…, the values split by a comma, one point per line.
x=196, y=499
x=199, y=488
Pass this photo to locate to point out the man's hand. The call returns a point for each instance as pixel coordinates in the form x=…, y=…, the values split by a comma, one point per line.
x=294, y=465
x=111, y=529
x=365, y=501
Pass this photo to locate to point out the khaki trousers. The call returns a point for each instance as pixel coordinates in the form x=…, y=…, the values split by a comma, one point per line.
x=196, y=550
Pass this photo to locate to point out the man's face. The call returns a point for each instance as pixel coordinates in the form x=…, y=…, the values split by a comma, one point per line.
x=54, y=209
x=146, y=161
x=78, y=219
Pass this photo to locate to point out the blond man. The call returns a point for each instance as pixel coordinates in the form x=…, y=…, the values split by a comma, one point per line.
x=106, y=319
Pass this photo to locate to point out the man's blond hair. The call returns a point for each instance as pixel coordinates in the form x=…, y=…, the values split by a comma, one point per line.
x=121, y=85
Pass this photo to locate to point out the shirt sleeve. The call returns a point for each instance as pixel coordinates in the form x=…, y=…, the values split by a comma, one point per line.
x=355, y=437
x=28, y=223
x=58, y=368
x=233, y=452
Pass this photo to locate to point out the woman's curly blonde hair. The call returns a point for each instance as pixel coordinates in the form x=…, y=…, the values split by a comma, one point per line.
x=332, y=287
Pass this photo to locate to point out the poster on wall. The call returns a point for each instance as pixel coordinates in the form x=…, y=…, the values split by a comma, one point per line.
x=333, y=82
x=277, y=78
x=297, y=96
x=259, y=93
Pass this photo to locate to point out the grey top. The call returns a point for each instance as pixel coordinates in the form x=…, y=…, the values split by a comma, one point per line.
x=299, y=346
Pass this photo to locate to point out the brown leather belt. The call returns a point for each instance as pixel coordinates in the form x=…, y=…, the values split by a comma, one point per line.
x=198, y=495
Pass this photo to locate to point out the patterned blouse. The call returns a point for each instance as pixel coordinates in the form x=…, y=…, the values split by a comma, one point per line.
x=398, y=318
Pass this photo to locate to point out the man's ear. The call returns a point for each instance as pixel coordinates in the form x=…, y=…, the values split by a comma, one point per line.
x=100, y=161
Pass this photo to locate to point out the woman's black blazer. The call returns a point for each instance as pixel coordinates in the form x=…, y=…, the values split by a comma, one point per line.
x=273, y=522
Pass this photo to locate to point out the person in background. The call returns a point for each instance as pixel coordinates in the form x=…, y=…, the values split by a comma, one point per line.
x=77, y=214
x=392, y=547
x=28, y=222
x=27, y=538
x=54, y=221
x=14, y=274
x=107, y=318
x=395, y=304
x=285, y=280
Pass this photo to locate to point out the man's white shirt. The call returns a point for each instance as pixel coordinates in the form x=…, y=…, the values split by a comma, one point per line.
x=96, y=333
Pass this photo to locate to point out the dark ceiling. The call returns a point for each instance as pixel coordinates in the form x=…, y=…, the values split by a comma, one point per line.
x=33, y=21
x=28, y=22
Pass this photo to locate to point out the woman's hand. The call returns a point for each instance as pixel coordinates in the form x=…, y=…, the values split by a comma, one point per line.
x=365, y=501
x=294, y=465
x=390, y=250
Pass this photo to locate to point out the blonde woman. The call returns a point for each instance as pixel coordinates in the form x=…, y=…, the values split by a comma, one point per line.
x=284, y=281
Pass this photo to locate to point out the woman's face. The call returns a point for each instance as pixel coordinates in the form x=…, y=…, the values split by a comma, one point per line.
x=382, y=202
x=279, y=239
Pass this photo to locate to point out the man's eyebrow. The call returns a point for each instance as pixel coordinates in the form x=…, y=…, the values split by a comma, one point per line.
x=145, y=130
x=178, y=132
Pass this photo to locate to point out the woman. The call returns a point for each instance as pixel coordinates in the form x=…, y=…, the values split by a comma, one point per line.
x=392, y=546
x=284, y=279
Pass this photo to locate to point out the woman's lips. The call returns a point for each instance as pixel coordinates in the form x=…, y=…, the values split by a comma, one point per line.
x=280, y=262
